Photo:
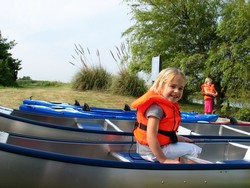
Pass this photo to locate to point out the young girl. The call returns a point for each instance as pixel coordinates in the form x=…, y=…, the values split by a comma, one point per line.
x=158, y=116
x=209, y=94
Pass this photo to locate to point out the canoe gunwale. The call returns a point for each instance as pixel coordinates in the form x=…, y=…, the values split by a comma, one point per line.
x=200, y=139
x=118, y=164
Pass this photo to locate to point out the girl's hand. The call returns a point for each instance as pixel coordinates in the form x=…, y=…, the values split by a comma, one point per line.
x=185, y=139
x=171, y=161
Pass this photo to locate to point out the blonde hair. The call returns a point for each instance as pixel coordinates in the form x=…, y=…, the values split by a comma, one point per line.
x=165, y=77
x=208, y=80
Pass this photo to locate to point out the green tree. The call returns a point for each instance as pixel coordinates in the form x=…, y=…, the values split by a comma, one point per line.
x=229, y=59
x=9, y=66
x=180, y=31
x=192, y=35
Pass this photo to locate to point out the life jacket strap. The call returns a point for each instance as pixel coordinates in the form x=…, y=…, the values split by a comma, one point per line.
x=171, y=134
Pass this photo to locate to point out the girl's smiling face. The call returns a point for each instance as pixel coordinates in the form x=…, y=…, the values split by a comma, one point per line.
x=173, y=90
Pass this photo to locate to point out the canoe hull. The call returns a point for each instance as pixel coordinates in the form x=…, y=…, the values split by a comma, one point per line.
x=13, y=124
x=51, y=163
x=77, y=128
x=34, y=171
x=63, y=109
x=44, y=163
x=71, y=112
x=128, y=125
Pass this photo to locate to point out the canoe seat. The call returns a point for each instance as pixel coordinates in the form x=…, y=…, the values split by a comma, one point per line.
x=135, y=157
x=245, y=149
x=90, y=126
x=3, y=137
x=129, y=157
x=247, y=155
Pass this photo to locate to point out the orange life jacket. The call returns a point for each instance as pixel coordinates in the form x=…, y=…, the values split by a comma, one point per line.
x=209, y=88
x=169, y=123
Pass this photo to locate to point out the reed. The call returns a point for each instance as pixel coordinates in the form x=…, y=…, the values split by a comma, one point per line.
x=94, y=78
x=128, y=84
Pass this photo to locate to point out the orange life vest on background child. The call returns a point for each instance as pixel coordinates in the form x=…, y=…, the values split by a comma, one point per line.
x=209, y=88
x=169, y=123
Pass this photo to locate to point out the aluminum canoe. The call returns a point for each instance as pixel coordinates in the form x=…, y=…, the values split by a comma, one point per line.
x=25, y=126
x=34, y=162
x=123, y=126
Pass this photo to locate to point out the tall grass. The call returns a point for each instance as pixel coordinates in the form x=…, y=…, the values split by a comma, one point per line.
x=128, y=84
x=90, y=76
x=94, y=78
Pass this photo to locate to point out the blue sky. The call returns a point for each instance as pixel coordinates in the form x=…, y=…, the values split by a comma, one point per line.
x=47, y=30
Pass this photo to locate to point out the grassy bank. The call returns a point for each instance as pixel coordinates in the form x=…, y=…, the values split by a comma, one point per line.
x=13, y=97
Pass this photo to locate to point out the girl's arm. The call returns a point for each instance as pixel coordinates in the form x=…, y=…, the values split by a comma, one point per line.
x=152, y=131
x=209, y=93
x=215, y=93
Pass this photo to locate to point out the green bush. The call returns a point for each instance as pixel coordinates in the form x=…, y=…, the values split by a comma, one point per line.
x=94, y=78
x=243, y=114
x=128, y=84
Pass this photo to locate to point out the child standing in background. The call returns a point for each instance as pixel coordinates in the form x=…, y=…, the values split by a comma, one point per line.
x=209, y=94
x=158, y=117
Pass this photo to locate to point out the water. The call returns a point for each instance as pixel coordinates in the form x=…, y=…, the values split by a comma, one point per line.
x=231, y=104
